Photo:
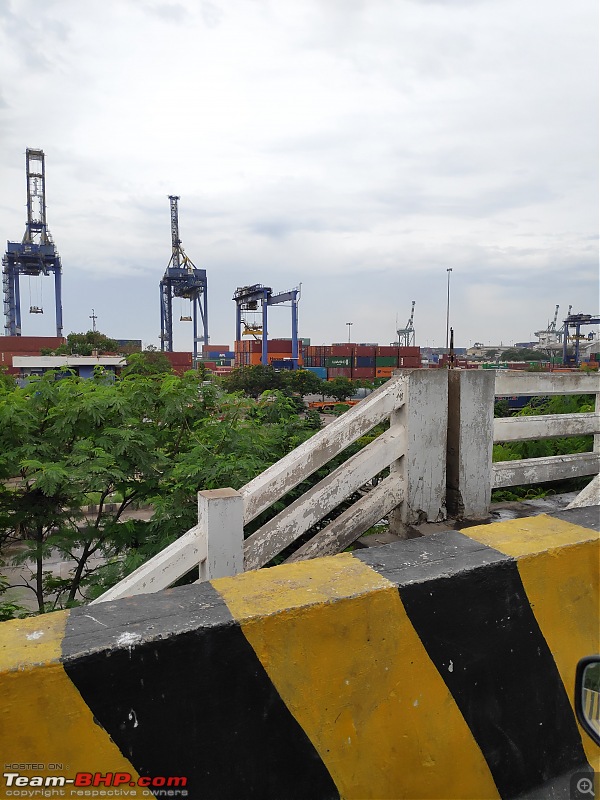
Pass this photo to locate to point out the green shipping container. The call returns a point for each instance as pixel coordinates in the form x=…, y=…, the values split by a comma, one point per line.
x=386, y=361
x=335, y=362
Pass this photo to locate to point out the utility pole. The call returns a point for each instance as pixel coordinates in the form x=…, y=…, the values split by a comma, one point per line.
x=448, y=271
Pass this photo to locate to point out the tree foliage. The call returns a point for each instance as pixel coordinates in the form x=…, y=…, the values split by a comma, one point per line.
x=84, y=344
x=148, y=362
x=77, y=455
x=539, y=448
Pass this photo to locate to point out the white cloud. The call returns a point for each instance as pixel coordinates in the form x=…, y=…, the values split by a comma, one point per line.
x=358, y=147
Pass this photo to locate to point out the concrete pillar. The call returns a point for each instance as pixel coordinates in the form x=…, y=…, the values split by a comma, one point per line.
x=422, y=470
x=221, y=522
x=470, y=441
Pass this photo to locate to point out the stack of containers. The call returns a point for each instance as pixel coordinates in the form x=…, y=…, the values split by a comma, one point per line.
x=386, y=361
x=409, y=356
x=339, y=362
x=279, y=353
x=364, y=361
x=180, y=361
x=217, y=355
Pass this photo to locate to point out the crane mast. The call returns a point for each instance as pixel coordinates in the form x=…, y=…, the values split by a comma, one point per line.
x=182, y=279
x=36, y=255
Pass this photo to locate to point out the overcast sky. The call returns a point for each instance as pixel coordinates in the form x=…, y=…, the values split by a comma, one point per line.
x=358, y=148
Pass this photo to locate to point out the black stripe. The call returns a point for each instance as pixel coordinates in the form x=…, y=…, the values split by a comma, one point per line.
x=474, y=619
x=190, y=698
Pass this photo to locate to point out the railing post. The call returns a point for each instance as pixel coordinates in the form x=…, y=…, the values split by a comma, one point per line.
x=422, y=469
x=221, y=523
x=470, y=441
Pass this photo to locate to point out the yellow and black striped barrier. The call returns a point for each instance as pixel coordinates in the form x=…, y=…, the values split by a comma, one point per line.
x=440, y=667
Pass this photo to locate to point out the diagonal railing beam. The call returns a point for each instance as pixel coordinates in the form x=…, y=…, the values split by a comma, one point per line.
x=276, y=481
x=317, y=502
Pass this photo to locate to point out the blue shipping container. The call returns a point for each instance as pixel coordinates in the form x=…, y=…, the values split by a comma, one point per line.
x=364, y=361
x=320, y=372
x=213, y=355
x=287, y=364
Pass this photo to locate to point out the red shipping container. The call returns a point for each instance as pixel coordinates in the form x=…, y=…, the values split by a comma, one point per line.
x=339, y=372
x=388, y=350
x=30, y=344
x=410, y=351
x=342, y=350
x=364, y=350
x=215, y=348
x=363, y=372
x=279, y=346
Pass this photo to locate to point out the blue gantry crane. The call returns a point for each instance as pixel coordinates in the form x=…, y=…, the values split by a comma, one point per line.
x=35, y=256
x=576, y=321
x=248, y=298
x=182, y=279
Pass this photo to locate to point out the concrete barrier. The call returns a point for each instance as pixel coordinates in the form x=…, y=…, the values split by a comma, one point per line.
x=439, y=667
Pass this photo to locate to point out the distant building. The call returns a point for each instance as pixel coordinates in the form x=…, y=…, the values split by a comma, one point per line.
x=83, y=366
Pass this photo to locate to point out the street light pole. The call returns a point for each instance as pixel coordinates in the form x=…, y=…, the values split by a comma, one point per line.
x=448, y=271
x=349, y=324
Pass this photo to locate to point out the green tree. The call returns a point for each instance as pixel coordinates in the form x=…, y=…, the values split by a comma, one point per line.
x=523, y=354
x=253, y=380
x=303, y=382
x=76, y=455
x=7, y=381
x=84, y=344
x=149, y=362
x=340, y=388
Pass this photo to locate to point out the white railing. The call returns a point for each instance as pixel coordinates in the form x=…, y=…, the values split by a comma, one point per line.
x=472, y=431
x=414, y=403
x=545, y=426
x=438, y=448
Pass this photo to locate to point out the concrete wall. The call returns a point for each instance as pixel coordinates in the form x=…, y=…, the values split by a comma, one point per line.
x=439, y=667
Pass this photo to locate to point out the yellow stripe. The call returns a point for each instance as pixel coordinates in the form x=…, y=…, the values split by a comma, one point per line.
x=335, y=640
x=44, y=718
x=558, y=564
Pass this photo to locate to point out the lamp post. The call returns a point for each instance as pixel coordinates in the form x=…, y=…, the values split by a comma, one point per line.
x=448, y=271
x=349, y=324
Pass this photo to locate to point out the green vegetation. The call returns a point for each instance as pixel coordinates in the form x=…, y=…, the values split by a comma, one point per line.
x=84, y=344
x=512, y=451
x=69, y=444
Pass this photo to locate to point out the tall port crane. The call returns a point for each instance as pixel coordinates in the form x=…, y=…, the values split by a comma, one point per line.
x=36, y=255
x=182, y=279
x=406, y=335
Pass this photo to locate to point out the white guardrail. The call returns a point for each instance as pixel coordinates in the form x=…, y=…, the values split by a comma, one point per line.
x=441, y=426
x=546, y=426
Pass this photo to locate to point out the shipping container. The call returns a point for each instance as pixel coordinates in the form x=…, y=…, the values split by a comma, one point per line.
x=320, y=372
x=214, y=348
x=334, y=362
x=364, y=350
x=342, y=350
x=364, y=361
x=383, y=372
x=386, y=361
x=339, y=372
x=409, y=351
x=282, y=364
x=387, y=351
x=29, y=344
x=366, y=373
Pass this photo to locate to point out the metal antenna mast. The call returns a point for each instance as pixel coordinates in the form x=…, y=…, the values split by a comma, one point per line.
x=182, y=279
x=36, y=255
